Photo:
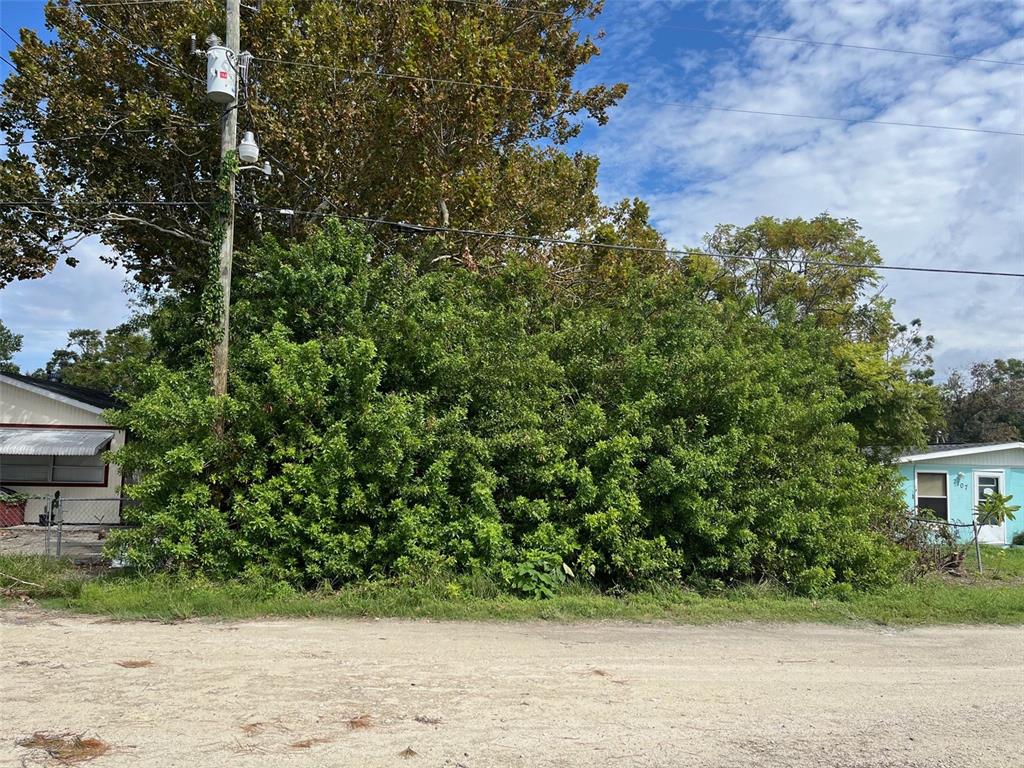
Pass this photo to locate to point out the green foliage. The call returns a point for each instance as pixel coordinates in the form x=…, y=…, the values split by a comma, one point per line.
x=985, y=404
x=822, y=270
x=540, y=575
x=1018, y=539
x=929, y=601
x=383, y=422
x=97, y=360
x=389, y=132
x=36, y=576
x=995, y=508
x=10, y=345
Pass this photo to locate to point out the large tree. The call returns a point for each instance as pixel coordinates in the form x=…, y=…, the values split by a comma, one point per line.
x=98, y=360
x=822, y=271
x=10, y=345
x=436, y=111
x=986, y=403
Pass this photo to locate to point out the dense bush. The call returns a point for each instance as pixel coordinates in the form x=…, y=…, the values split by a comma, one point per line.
x=383, y=421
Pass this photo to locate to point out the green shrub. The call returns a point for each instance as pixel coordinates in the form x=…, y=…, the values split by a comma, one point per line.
x=384, y=422
x=1018, y=539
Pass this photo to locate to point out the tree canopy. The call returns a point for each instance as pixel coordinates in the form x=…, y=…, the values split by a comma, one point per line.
x=382, y=420
x=10, y=345
x=986, y=403
x=418, y=110
x=98, y=360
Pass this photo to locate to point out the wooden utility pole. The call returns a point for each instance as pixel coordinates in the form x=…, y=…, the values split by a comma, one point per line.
x=228, y=140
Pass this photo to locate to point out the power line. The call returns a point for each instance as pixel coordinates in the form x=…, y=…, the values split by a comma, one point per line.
x=684, y=105
x=850, y=120
x=129, y=2
x=874, y=48
x=9, y=36
x=4, y=59
x=135, y=47
x=427, y=229
x=94, y=135
x=57, y=203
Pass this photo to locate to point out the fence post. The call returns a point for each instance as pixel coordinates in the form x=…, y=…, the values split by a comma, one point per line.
x=60, y=524
x=48, y=508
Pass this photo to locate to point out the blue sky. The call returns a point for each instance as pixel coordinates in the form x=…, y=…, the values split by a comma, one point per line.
x=927, y=197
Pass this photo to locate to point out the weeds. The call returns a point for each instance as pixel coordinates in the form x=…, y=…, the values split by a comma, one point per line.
x=66, y=748
x=37, y=577
x=997, y=597
x=360, y=722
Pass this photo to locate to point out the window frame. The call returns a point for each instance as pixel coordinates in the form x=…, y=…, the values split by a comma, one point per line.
x=50, y=482
x=918, y=496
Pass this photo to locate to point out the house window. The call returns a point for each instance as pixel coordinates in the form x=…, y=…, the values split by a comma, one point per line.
x=52, y=470
x=932, y=495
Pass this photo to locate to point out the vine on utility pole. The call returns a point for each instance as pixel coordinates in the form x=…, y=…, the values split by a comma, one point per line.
x=228, y=139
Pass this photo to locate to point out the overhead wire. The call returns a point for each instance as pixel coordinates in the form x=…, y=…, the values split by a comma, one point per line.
x=128, y=42
x=55, y=202
x=427, y=229
x=537, y=239
x=91, y=135
x=759, y=35
x=655, y=102
x=832, y=44
x=533, y=239
x=130, y=2
x=4, y=59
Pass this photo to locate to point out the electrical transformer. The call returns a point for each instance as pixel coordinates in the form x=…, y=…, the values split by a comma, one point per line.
x=221, y=76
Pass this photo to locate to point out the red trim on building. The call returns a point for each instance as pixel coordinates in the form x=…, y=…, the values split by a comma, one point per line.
x=106, y=466
x=30, y=425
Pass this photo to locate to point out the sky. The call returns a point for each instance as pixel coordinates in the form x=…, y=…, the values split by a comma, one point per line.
x=926, y=196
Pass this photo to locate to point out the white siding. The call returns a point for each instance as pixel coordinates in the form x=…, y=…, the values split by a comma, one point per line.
x=21, y=406
x=1008, y=457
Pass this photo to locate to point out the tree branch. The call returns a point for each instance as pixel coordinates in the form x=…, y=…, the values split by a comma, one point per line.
x=120, y=217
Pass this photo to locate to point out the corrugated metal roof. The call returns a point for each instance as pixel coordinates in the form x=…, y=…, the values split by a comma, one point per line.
x=22, y=441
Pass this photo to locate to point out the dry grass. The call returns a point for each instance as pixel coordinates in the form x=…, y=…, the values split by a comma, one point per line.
x=134, y=663
x=307, y=743
x=361, y=721
x=66, y=748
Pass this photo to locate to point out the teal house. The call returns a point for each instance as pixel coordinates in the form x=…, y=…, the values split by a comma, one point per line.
x=950, y=479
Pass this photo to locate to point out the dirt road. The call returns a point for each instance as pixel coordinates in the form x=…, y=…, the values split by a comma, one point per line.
x=295, y=693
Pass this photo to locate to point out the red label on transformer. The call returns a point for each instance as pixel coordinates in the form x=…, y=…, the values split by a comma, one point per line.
x=223, y=75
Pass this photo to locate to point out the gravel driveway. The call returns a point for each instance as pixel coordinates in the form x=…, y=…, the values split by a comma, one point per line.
x=389, y=693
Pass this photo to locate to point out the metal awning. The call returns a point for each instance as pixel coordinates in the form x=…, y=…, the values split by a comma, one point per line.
x=26, y=441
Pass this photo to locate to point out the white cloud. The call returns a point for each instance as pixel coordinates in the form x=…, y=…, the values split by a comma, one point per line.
x=927, y=197
x=43, y=311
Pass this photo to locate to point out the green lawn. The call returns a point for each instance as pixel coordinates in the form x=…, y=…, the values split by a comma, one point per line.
x=995, y=598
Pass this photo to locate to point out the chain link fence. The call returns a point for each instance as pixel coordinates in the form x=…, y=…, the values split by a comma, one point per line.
x=82, y=518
